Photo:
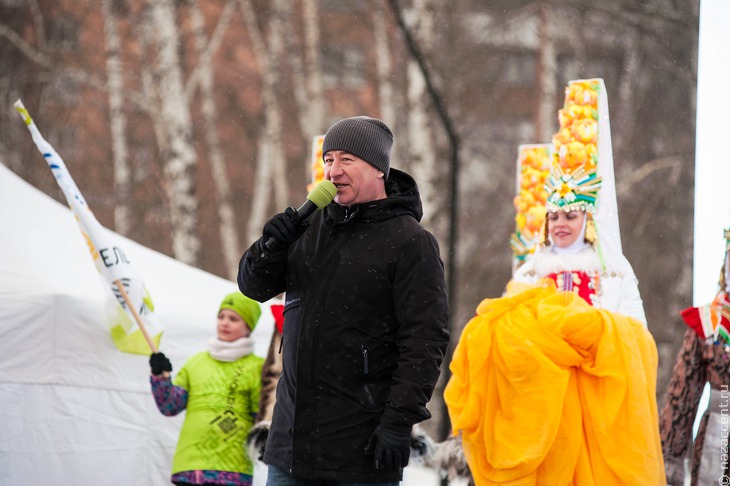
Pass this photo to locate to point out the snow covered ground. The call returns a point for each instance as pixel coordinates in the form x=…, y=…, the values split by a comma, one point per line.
x=420, y=476
x=412, y=476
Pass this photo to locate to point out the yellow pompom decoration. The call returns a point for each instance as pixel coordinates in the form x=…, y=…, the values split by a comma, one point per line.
x=534, y=164
x=534, y=218
x=585, y=131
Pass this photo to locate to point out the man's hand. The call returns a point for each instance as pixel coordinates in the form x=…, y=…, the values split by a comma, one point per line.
x=391, y=450
x=159, y=363
x=283, y=229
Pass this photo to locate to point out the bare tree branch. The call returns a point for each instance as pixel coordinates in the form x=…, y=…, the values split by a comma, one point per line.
x=637, y=176
x=28, y=50
x=213, y=44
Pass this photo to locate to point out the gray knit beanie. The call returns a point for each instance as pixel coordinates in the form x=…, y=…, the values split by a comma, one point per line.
x=368, y=138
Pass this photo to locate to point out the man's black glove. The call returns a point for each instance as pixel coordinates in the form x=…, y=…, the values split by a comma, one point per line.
x=390, y=449
x=159, y=363
x=283, y=229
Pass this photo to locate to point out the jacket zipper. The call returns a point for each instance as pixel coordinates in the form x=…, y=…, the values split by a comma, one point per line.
x=366, y=371
x=365, y=359
x=315, y=336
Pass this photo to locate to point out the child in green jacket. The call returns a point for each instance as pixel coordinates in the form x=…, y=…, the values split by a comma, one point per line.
x=220, y=389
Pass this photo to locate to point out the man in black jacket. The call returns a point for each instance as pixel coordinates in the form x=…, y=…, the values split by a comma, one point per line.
x=365, y=318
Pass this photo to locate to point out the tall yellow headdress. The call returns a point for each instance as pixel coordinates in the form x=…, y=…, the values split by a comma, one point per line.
x=574, y=182
x=582, y=174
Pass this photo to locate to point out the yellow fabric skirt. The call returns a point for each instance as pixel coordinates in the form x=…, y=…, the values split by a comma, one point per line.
x=546, y=389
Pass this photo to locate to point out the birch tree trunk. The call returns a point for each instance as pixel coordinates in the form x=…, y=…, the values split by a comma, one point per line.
x=420, y=136
x=226, y=216
x=547, y=72
x=149, y=92
x=626, y=114
x=273, y=109
x=264, y=181
x=383, y=66
x=312, y=62
x=210, y=48
x=306, y=78
x=117, y=119
x=271, y=156
x=298, y=75
x=178, y=154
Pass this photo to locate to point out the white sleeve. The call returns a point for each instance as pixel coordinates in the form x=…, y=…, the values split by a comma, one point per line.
x=630, y=303
x=526, y=273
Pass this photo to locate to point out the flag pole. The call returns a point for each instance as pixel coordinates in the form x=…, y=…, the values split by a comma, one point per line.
x=137, y=318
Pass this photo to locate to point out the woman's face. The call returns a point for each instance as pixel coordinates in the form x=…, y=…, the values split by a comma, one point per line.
x=564, y=228
x=231, y=326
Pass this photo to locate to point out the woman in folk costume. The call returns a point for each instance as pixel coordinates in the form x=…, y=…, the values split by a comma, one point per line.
x=554, y=382
x=704, y=357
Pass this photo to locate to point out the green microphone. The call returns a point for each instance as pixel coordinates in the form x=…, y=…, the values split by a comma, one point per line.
x=319, y=197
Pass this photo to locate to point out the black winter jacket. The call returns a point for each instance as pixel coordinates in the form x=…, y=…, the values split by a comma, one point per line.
x=365, y=331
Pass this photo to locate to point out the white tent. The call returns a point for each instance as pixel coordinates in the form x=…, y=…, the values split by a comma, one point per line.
x=74, y=410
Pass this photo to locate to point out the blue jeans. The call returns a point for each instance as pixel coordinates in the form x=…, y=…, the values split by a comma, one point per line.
x=277, y=477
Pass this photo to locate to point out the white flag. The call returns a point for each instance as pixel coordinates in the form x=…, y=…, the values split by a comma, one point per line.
x=133, y=300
